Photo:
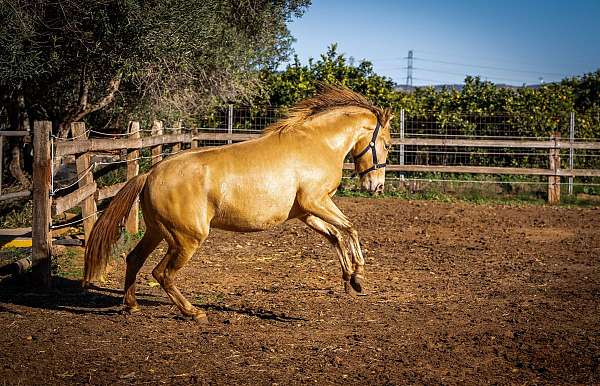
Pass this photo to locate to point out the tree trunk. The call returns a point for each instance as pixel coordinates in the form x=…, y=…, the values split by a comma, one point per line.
x=84, y=108
x=16, y=170
x=15, y=167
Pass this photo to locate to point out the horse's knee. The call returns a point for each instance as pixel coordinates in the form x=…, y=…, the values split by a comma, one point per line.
x=159, y=275
x=353, y=233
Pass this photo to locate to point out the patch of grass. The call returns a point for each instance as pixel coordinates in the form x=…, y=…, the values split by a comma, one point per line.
x=68, y=264
x=17, y=214
x=126, y=243
x=474, y=196
x=16, y=253
x=113, y=177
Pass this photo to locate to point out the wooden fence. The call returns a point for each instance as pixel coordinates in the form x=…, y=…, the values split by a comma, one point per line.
x=88, y=195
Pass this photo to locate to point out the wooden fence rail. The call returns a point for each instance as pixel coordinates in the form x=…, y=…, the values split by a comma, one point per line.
x=88, y=195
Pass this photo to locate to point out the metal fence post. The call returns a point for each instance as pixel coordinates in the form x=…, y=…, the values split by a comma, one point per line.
x=571, y=155
x=230, y=122
x=402, y=122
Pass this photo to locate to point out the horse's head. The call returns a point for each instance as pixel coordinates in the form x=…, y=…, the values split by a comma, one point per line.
x=370, y=154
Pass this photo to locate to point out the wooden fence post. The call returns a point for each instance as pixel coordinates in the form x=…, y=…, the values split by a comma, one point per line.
x=1, y=161
x=176, y=130
x=195, y=142
x=133, y=168
x=554, y=181
x=157, y=130
x=42, y=202
x=83, y=163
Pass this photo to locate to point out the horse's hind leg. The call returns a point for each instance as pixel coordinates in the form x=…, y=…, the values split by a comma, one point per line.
x=135, y=260
x=180, y=251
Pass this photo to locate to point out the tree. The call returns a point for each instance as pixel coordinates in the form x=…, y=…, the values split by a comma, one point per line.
x=67, y=59
x=297, y=82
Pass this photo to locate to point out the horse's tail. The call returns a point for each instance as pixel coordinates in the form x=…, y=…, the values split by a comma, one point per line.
x=105, y=234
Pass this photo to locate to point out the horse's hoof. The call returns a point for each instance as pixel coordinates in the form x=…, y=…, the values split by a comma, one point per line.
x=356, y=282
x=131, y=309
x=200, y=318
x=349, y=290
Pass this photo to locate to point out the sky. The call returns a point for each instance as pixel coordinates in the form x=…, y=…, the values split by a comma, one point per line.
x=507, y=41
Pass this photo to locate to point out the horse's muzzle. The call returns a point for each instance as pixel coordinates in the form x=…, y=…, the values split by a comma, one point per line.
x=372, y=187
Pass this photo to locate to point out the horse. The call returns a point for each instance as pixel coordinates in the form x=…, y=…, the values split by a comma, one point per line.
x=289, y=172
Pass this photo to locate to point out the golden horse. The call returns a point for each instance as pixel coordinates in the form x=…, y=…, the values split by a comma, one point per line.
x=291, y=171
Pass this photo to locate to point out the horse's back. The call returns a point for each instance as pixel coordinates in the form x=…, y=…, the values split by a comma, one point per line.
x=243, y=187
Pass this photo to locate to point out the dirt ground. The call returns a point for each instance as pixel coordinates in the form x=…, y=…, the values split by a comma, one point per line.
x=458, y=294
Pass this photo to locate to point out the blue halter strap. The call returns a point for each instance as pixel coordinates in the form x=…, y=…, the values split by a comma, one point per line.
x=371, y=146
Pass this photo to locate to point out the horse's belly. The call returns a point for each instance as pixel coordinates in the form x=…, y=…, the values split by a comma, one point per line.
x=251, y=217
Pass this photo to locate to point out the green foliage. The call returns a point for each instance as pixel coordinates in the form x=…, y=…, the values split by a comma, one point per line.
x=64, y=58
x=298, y=82
x=532, y=112
x=16, y=214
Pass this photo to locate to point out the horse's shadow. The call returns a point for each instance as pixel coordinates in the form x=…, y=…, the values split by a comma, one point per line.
x=67, y=295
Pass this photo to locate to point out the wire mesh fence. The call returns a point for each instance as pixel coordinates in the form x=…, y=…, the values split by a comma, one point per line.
x=447, y=126
x=450, y=125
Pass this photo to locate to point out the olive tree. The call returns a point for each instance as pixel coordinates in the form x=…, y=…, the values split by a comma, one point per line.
x=66, y=59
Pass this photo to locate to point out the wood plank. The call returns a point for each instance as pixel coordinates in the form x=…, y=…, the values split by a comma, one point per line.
x=494, y=143
x=42, y=243
x=71, y=200
x=224, y=136
x=157, y=131
x=579, y=173
x=14, y=133
x=15, y=195
x=15, y=238
x=133, y=168
x=16, y=232
x=109, y=191
x=461, y=169
x=80, y=146
x=97, y=144
x=101, y=144
x=166, y=139
x=487, y=170
x=83, y=162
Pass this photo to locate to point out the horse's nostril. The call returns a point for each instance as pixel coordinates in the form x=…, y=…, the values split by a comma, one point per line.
x=379, y=188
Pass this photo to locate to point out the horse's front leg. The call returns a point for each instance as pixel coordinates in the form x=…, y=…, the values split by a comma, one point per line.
x=335, y=237
x=326, y=210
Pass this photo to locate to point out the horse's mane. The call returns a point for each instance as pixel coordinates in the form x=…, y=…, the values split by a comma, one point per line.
x=329, y=97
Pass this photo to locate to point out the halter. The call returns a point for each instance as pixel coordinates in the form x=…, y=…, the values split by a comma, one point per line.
x=371, y=146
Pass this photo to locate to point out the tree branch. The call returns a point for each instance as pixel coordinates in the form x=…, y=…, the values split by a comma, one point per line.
x=84, y=108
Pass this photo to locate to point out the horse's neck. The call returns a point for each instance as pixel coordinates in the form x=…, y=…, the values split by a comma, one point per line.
x=339, y=132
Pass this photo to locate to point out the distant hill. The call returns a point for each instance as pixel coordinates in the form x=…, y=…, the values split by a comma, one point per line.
x=459, y=87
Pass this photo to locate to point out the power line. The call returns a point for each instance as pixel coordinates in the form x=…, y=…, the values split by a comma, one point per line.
x=490, y=67
x=467, y=74
x=462, y=74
